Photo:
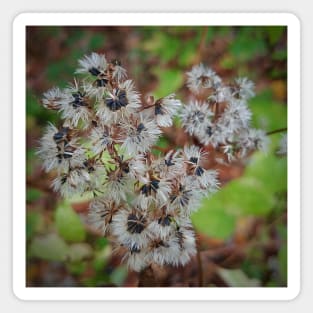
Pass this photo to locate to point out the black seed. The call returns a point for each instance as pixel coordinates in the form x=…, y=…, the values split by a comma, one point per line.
x=63, y=179
x=155, y=184
x=120, y=100
x=140, y=128
x=112, y=104
x=169, y=162
x=61, y=134
x=67, y=155
x=76, y=95
x=58, y=136
x=200, y=115
x=158, y=109
x=134, y=249
x=123, y=101
x=134, y=224
x=145, y=189
x=193, y=160
x=116, y=62
x=93, y=71
x=101, y=82
x=180, y=238
x=78, y=100
x=209, y=131
x=165, y=221
x=125, y=169
x=59, y=156
x=199, y=171
x=184, y=200
x=172, y=198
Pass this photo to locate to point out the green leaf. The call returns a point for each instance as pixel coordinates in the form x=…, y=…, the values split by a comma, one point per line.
x=283, y=254
x=101, y=243
x=119, y=275
x=49, y=247
x=213, y=220
x=34, y=223
x=252, y=194
x=270, y=170
x=33, y=194
x=101, y=258
x=80, y=251
x=77, y=268
x=275, y=33
x=169, y=81
x=267, y=113
x=69, y=224
x=96, y=41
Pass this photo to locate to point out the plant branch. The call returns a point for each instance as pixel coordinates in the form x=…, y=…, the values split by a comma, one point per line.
x=200, y=269
x=280, y=130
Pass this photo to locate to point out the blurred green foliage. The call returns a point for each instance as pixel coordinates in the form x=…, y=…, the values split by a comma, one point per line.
x=68, y=223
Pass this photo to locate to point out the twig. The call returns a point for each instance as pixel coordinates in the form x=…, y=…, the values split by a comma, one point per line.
x=163, y=150
x=201, y=46
x=276, y=131
x=147, y=278
x=200, y=270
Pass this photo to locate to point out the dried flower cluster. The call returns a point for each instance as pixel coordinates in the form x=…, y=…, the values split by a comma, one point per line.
x=223, y=118
x=142, y=202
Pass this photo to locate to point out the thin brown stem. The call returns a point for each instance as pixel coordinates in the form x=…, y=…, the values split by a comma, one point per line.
x=280, y=130
x=163, y=150
x=201, y=46
x=200, y=269
x=147, y=278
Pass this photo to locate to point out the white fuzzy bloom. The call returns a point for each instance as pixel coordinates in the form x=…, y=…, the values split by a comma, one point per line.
x=229, y=151
x=58, y=151
x=54, y=99
x=117, y=185
x=170, y=166
x=77, y=106
x=76, y=181
x=129, y=226
x=136, y=259
x=196, y=118
x=119, y=103
x=140, y=136
x=213, y=134
x=164, y=109
x=93, y=64
x=101, y=212
x=165, y=252
x=187, y=243
x=201, y=77
x=137, y=167
x=153, y=191
x=119, y=73
x=194, y=154
x=253, y=139
x=208, y=180
x=178, y=248
x=245, y=88
x=283, y=145
x=235, y=117
x=101, y=138
x=186, y=197
x=162, y=227
x=221, y=94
